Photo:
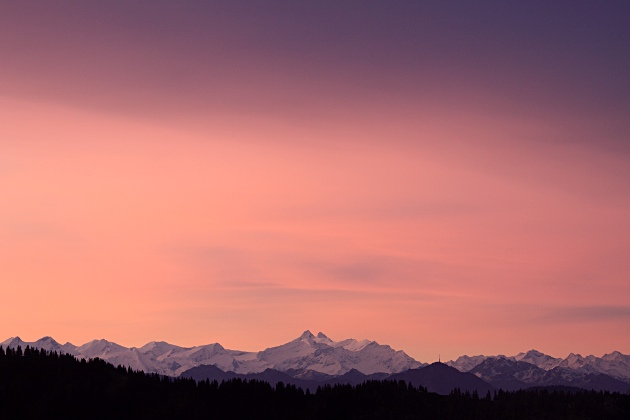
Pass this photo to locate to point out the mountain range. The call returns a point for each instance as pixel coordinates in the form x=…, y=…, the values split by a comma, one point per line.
x=313, y=360
x=610, y=372
x=306, y=355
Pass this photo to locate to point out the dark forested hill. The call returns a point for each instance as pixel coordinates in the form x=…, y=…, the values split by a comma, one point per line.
x=39, y=384
x=442, y=379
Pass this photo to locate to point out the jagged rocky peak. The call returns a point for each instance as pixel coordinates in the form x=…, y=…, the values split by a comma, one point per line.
x=216, y=346
x=529, y=354
x=49, y=344
x=306, y=335
x=13, y=342
x=159, y=347
x=322, y=356
x=574, y=358
x=615, y=355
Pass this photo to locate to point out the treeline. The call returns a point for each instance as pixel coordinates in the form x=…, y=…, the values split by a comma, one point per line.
x=39, y=384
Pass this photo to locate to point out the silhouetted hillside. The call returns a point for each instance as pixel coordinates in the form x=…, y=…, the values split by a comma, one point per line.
x=443, y=379
x=39, y=384
x=272, y=376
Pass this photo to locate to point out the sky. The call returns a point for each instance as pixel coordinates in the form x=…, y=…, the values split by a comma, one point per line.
x=446, y=177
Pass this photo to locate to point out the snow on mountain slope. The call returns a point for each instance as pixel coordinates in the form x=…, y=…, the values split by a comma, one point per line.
x=539, y=359
x=102, y=349
x=243, y=356
x=588, y=364
x=304, y=354
x=321, y=354
x=160, y=349
x=169, y=359
x=466, y=363
x=507, y=373
x=134, y=359
x=322, y=338
x=616, y=365
x=376, y=358
x=211, y=354
x=13, y=342
x=582, y=379
x=574, y=361
x=352, y=344
x=510, y=374
x=48, y=343
x=316, y=355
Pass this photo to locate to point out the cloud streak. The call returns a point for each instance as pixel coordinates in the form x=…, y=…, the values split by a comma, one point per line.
x=587, y=314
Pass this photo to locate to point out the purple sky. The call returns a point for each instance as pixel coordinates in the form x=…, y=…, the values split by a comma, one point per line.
x=446, y=177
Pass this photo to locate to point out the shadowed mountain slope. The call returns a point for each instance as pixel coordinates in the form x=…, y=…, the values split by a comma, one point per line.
x=442, y=379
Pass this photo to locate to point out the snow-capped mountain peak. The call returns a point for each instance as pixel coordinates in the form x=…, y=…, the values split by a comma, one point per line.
x=323, y=338
x=573, y=361
x=13, y=342
x=615, y=355
x=102, y=349
x=533, y=353
x=49, y=344
x=354, y=345
x=466, y=363
x=539, y=359
x=320, y=355
x=160, y=348
x=306, y=335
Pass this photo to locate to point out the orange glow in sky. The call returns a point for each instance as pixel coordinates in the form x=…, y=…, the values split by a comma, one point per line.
x=224, y=184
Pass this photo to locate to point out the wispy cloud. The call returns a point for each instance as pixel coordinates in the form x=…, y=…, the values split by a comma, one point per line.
x=586, y=314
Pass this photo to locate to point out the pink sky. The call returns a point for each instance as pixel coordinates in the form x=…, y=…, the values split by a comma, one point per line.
x=231, y=177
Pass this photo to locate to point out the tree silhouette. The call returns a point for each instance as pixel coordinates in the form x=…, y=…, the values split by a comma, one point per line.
x=39, y=384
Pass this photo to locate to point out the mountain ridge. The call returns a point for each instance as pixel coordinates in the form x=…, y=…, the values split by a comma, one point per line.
x=319, y=359
x=614, y=364
x=307, y=352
